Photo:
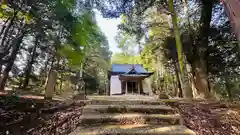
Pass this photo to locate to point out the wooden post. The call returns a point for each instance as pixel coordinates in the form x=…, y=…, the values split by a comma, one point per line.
x=138, y=83
x=126, y=88
x=132, y=87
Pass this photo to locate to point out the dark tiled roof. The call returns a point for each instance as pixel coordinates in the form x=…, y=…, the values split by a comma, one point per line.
x=125, y=68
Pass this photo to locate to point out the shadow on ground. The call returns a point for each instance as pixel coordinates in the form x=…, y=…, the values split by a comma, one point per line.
x=23, y=115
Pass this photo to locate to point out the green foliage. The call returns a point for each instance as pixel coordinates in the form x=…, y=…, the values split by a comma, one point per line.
x=122, y=58
x=123, y=41
x=66, y=37
x=75, y=57
x=5, y=10
x=83, y=32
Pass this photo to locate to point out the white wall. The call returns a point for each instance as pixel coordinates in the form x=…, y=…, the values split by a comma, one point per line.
x=115, y=85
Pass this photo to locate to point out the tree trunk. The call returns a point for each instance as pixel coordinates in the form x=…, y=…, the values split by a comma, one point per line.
x=228, y=86
x=8, y=27
x=201, y=79
x=48, y=72
x=30, y=64
x=0, y=69
x=179, y=82
x=158, y=76
x=45, y=71
x=175, y=88
x=4, y=26
x=5, y=74
x=199, y=65
x=232, y=9
x=82, y=82
x=5, y=48
x=61, y=82
x=181, y=56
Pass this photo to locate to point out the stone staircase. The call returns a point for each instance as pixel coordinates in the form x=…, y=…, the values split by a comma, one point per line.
x=125, y=116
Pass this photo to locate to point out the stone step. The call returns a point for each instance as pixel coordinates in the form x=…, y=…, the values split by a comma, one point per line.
x=122, y=97
x=151, y=109
x=133, y=130
x=126, y=102
x=130, y=118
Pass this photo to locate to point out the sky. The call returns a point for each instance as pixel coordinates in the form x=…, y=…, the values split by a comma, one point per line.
x=109, y=28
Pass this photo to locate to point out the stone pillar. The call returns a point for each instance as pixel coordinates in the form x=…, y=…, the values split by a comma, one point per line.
x=138, y=83
x=51, y=82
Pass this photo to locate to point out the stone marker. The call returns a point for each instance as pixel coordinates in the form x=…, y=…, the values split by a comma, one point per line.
x=50, y=85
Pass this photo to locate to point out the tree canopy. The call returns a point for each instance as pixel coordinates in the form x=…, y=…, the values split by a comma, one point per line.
x=209, y=47
x=41, y=37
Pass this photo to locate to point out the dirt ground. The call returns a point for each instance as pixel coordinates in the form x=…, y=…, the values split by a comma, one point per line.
x=211, y=118
x=35, y=116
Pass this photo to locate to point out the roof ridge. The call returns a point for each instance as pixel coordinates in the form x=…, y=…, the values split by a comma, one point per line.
x=125, y=68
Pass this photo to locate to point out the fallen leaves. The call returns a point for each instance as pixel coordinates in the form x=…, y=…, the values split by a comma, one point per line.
x=23, y=116
x=211, y=118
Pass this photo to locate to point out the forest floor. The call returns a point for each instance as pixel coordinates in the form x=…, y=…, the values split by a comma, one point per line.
x=211, y=118
x=32, y=115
